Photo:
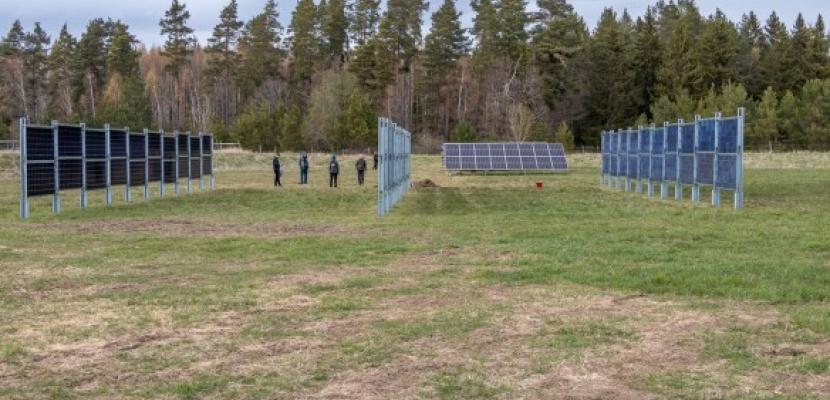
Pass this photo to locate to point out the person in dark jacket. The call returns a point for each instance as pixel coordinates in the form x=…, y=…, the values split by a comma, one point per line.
x=277, y=171
x=304, y=169
x=375, y=161
x=334, y=169
x=360, y=165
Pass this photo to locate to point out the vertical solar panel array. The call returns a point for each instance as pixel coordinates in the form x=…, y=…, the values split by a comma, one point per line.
x=705, y=153
x=63, y=157
x=511, y=156
x=394, y=150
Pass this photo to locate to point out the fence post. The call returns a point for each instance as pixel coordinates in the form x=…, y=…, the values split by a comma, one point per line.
x=189, y=165
x=696, y=185
x=715, y=189
x=739, y=161
x=24, y=170
x=212, y=157
x=178, y=161
x=146, y=164
x=84, y=194
x=678, y=185
x=56, y=198
x=127, y=194
x=108, y=167
x=664, y=186
x=201, y=160
x=618, y=139
x=650, y=158
x=161, y=158
x=637, y=147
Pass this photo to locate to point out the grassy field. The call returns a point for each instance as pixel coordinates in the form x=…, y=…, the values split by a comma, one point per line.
x=480, y=288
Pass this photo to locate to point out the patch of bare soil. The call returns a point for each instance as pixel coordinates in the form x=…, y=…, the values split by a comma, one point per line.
x=184, y=227
x=424, y=184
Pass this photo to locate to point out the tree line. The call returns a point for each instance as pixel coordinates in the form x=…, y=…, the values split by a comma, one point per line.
x=516, y=74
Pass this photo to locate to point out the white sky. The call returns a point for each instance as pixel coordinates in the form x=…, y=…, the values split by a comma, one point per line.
x=143, y=15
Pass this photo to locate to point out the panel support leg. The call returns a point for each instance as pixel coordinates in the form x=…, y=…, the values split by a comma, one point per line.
x=696, y=193
x=678, y=191
x=664, y=190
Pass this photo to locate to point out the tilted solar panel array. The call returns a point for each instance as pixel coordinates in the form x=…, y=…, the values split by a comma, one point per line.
x=61, y=156
x=706, y=152
x=508, y=156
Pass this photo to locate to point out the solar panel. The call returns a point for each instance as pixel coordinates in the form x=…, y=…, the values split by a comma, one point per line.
x=504, y=156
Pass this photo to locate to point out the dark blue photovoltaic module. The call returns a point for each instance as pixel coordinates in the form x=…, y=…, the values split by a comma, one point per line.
x=515, y=156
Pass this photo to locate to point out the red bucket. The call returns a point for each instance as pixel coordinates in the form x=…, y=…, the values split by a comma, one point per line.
x=539, y=185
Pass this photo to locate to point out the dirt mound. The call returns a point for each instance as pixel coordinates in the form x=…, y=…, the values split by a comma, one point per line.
x=426, y=183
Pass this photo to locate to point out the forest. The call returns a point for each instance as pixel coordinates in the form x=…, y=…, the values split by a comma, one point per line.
x=518, y=73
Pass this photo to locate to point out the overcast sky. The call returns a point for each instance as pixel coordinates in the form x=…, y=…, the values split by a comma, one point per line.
x=143, y=15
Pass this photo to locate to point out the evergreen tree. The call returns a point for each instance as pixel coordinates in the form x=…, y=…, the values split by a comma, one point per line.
x=371, y=65
x=486, y=31
x=800, y=67
x=775, y=59
x=565, y=136
x=222, y=46
x=748, y=62
x=610, y=86
x=60, y=75
x=305, y=44
x=335, y=31
x=180, y=42
x=90, y=66
x=513, y=20
x=259, y=48
x=818, y=51
x=716, y=53
x=14, y=40
x=789, y=128
x=400, y=29
x=291, y=130
x=122, y=58
x=358, y=123
x=815, y=112
x=35, y=54
x=645, y=59
x=363, y=20
x=764, y=129
x=674, y=74
x=463, y=132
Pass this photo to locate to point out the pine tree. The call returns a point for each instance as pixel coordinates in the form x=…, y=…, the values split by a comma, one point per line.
x=486, y=31
x=35, y=54
x=335, y=31
x=610, y=86
x=372, y=66
x=444, y=45
x=222, y=46
x=60, y=75
x=291, y=130
x=363, y=20
x=775, y=59
x=748, y=62
x=400, y=29
x=358, y=123
x=789, y=117
x=565, y=136
x=800, y=66
x=645, y=60
x=259, y=48
x=122, y=58
x=513, y=20
x=305, y=44
x=89, y=67
x=819, y=50
x=180, y=42
x=716, y=53
x=764, y=129
x=674, y=74
x=815, y=112
x=14, y=40
x=557, y=43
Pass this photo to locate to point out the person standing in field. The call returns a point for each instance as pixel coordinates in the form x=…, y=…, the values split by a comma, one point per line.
x=334, y=169
x=277, y=171
x=375, y=161
x=360, y=165
x=304, y=169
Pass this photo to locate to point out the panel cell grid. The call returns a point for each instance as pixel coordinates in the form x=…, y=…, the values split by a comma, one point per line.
x=40, y=145
x=136, y=172
x=207, y=144
x=118, y=143
x=96, y=144
x=136, y=148
x=40, y=179
x=69, y=141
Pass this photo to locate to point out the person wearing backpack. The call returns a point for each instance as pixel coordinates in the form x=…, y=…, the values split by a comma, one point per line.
x=304, y=169
x=334, y=169
x=277, y=171
x=360, y=165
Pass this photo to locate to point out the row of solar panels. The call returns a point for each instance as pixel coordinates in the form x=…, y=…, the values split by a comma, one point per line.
x=704, y=152
x=82, y=154
x=508, y=156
